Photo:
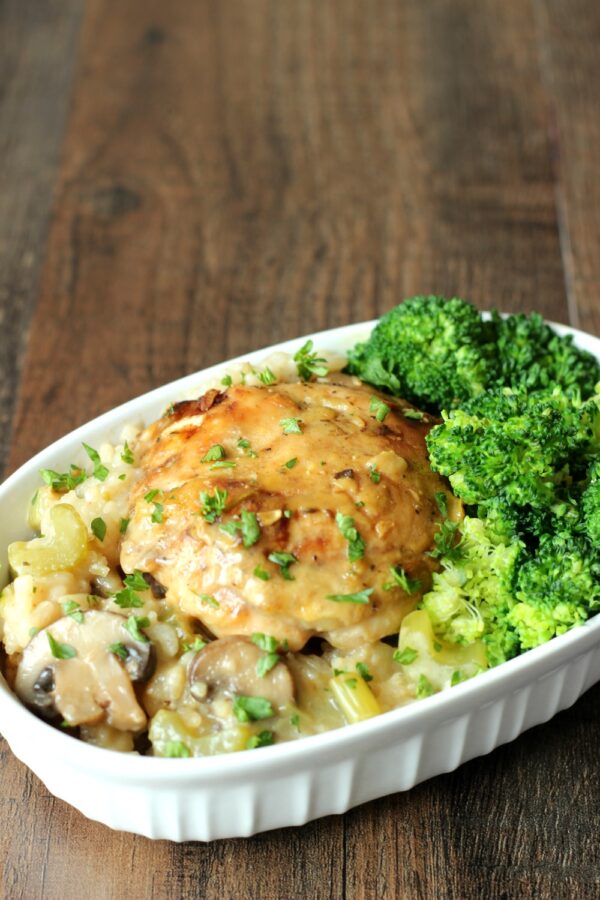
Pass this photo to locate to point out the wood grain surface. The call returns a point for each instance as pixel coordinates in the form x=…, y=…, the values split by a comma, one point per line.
x=239, y=172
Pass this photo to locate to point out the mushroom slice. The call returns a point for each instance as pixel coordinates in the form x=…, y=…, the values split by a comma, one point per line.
x=228, y=667
x=83, y=671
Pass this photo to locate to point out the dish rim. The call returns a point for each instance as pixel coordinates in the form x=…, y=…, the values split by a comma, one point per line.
x=404, y=721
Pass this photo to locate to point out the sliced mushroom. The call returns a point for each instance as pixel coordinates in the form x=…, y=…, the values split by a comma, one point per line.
x=228, y=666
x=83, y=671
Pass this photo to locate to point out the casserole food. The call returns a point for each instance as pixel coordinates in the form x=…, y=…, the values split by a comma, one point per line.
x=352, y=762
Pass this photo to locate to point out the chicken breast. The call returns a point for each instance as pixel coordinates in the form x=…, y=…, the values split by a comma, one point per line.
x=283, y=510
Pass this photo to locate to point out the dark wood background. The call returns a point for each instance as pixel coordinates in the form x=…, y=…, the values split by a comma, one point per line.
x=185, y=181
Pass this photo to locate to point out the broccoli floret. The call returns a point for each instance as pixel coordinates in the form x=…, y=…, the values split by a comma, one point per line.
x=590, y=504
x=515, y=447
x=431, y=351
x=532, y=355
x=556, y=589
x=472, y=596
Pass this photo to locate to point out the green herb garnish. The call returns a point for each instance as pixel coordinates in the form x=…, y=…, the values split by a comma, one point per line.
x=356, y=545
x=133, y=626
x=405, y=656
x=291, y=426
x=309, y=363
x=100, y=471
x=127, y=455
x=262, y=739
x=177, y=750
x=251, y=709
x=284, y=560
x=73, y=609
x=60, y=651
x=357, y=597
x=363, y=671
x=217, y=451
x=424, y=687
x=401, y=579
x=378, y=408
x=213, y=505
x=266, y=376
x=98, y=527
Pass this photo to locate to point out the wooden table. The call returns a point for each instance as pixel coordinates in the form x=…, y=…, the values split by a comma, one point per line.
x=185, y=181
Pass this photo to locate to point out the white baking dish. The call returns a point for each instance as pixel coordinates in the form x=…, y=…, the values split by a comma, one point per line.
x=243, y=793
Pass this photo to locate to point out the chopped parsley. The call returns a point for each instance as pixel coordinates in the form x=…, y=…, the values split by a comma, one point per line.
x=224, y=464
x=123, y=525
x=401, y=579
x=217, y=451
x=270, y=645
x=244, y=445
x=266, y=663
x=198, y=644
x=251, y=709
x=119, y=650
x=157, y=513
x=363, y=671
x=308, y=363
x=413, y=414
x=424, y=687
x=284, y=561
x=405, y=656
x=67, y=481
x=356, y=545
x=267, y=377
x=291, y=426
x=133, y=626
x=262, y=739
x=127, y=455
x=291, y=463
x=60, y=651
x=73, y=609
x=98, y=527
x=374, y=474
x=136, y=581
x=248, y=526
x=351, y=682
x=177, y=750
x=378, y=408
x=261, y=573
x=127, y=599
x=100, y=471
x=357, y=597
x=149, y=497
x=265, y=642
x=445, y=542
x=227, y=380
x=213, y=505
x=295, y=721
x=457, y=677
x=209, y=600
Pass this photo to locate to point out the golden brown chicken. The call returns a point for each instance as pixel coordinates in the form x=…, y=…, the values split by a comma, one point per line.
x=293, y=510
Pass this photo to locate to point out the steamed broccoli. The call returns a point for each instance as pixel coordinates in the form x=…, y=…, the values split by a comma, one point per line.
x=473, y=595
x=557, y=587
x=532, y=355
x=431, y=351
x=520, y=444
x=590, y=504
x=510, y=597
x=438, y=353
x=517, y=447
